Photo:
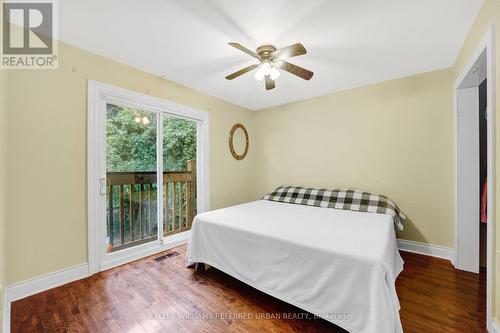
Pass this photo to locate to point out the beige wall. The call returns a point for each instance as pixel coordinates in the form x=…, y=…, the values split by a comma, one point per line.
x=47, y=205
x=489, y=14
x=394, y=138
x=3, y=151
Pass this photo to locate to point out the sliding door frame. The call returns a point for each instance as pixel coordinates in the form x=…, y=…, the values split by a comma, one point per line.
x=99, y=94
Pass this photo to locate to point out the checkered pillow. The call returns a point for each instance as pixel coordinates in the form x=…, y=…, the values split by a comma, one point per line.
x=347, y=199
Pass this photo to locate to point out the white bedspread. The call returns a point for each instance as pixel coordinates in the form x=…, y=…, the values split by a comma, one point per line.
x=338, y=264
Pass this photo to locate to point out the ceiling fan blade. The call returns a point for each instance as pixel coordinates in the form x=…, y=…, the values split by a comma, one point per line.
x=290, y=51
x=295, y=70
x=244, y=49
x=270, y=84
x=241, y=72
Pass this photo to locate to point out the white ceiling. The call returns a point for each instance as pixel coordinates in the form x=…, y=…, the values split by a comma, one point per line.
x=349, y=43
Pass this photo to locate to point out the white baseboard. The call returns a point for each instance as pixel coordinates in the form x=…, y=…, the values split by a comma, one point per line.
x=427, y=249
x=44, y=282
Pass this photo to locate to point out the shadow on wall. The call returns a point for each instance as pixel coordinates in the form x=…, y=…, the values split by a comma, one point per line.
x=411, y=229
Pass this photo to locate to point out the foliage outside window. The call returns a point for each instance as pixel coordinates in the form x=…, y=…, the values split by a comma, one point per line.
x=131, y=144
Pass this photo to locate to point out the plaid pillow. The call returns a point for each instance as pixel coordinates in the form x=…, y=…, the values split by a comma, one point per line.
x=347, y=199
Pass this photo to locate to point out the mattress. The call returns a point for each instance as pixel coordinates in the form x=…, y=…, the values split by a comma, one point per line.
x=339, y=265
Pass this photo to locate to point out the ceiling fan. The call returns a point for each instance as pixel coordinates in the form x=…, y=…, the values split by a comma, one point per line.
x=270, y=61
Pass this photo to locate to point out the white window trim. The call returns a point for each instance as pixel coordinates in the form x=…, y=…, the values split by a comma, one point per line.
x=98, y=95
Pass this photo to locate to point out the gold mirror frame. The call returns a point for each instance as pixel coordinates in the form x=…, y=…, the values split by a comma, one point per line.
x=231, y=147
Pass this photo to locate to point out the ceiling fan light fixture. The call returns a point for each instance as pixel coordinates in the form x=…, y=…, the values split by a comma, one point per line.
x=275, y=73
x=259, y=75
x=271, y=62
x=265, y=68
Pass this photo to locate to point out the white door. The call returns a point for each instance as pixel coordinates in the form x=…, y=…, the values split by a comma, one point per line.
x=148, y=169
x=151, y=179
x=468, y=179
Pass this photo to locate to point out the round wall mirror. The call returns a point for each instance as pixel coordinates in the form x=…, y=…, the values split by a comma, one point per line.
x=238, y=141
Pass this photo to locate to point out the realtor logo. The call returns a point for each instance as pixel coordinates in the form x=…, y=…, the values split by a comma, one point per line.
x=28, y=38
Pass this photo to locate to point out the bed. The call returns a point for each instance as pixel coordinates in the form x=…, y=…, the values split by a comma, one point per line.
x=340, y=265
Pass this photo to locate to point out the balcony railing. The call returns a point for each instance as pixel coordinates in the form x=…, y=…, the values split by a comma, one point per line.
x=132, y=204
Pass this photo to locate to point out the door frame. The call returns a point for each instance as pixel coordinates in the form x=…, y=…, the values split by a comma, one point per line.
x=487, y=45
x=468, y=176
x=98, y=94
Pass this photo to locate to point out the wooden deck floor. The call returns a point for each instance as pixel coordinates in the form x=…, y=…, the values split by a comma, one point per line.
x=143, y=295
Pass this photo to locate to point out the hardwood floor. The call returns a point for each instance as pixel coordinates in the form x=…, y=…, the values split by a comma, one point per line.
x=142, y=296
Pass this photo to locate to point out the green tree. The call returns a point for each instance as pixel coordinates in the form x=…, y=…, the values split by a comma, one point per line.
x=179, y=143
x=131, y=141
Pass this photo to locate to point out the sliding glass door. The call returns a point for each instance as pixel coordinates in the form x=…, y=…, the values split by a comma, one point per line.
x=179, y=174
x=131, y=175
x=151, y=183
x=147, y=174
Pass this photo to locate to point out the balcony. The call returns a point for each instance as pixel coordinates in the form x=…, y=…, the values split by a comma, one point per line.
x=132, y=209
